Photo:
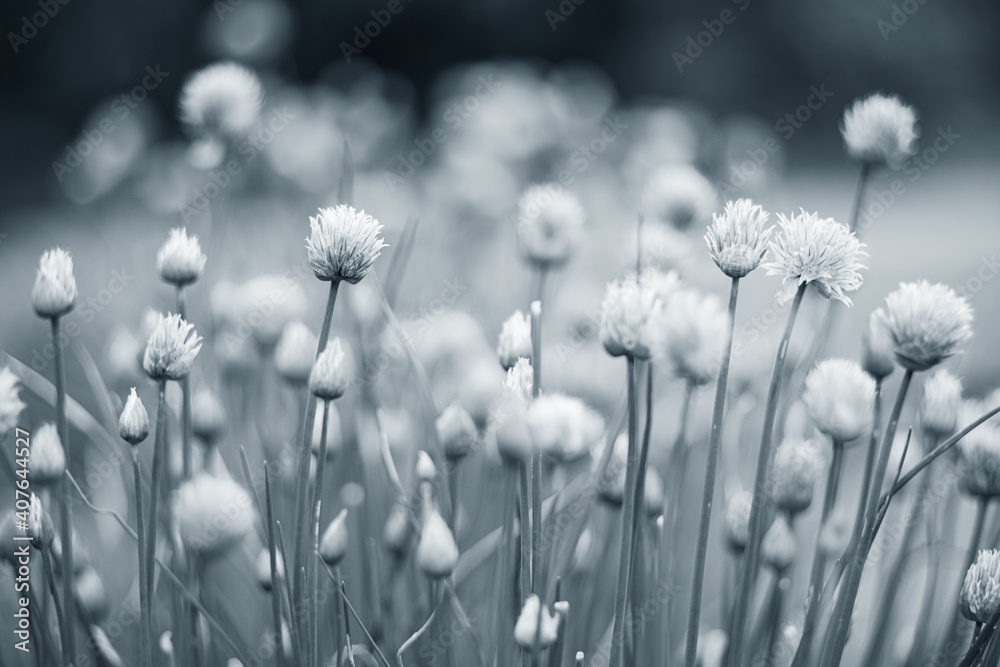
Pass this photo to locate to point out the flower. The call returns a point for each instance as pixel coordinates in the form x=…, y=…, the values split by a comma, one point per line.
x=564, y=428
x=880, y=129
x=40, y=526
x=694, y=328
x=835, y=534
x=180, y=260
x=92, y=597
x=396, y=533
x=979, y=461
x=329, y=378
x=529, y=625
x=627, y=312
x=437, y=553
x=133, y=425
x=980, y=592
x=11, y=404
x=513, y=433
x=333, y=545
x=343, y=243
x=821, y=251
x=425, y=469
x=47, y=458
x=797, y=466
x=926, y=322
x=679, y=195
x=208, y=418
x=939, y=405
x=738, y=520
x=514, y=341
x=456, y=431
x=264, y=568
x=171, y=349
x=519, y=382
x=840, y=398
x=779, y=547
x=877, y=356
x=223, y=99
x=295, y=353
x=712, y=647
x=652, y=493
x=737, y=239
x=265, y=305
x=611, y=483
x=212, y=514
x=549, y=224
x=54, y=293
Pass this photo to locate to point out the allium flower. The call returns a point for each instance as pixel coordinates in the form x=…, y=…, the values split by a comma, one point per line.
x=779, y=547
x=737, y=239
x=92, y=597
x=343, y=243
x=661, y=283
x=627, y=314
x=133, y=425
x=529, y=625
x=208, y=417
x=437, y=553
x=425, y=469
x=396, y=533
x=515, y=340
x=821, y=251
x=330, y=377
x=611, y=484
x=11, y=404
x=679, y=195
x=223, y=99
x=939, y=406
x=40, y=526
x=456, y=431
x=518, y=384
x=549, y=224
x=694, y=327
x=171, y=349
x=840, y=397
x=513, y=433
x=47, y=458
x=54, y=293
x=880, y=129
x=835, y=533
x=180, y=260
x=980, y=593
x=738, y=520
x=263, y=306
x=212, y=514
x=564, y=428
x=264, y=568
x=926, y=322
x=877, y=356
x=333, y=544
x=797, y=466
x=295, y=353
x=979, y=462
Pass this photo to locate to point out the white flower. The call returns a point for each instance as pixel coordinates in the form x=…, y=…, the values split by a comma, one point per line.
x=180, y=260
x=456, y=431
x=880, y=129
x=979, y=461
x=694, y=328
x=295, y=353
x=519, y=382
x=171, y=349
x=343, y=243
x=737, y=239
x=611, y=484
x=564, y=428
x=212, y=513
x=840, y=398
x=265, y=305
x=133, y=425
x=797, y=466
x=425, y=468
x=939, y=406
x=333, y=544
x=821, y=251
x=679, y=195
x=330, y=375
x=11, y=404
x=47, y=458
x=779, y=547
x=54, y=293
x=926, y=322
x=223, y=99
x=877, y=357
x=514, y=341
x=627, y=316
x=738, y=520
x=529, y=625
x=264, y=568
x=549, y=224
x=437, y=553
x=208, y=418
x=980, y=593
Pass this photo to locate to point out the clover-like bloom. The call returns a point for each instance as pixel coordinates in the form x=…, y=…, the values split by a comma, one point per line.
x=679, y=195
x=222, y=100
x=939, y=405
x=456, y=431
x=820, y=251
x=563, y=427
x=840, y=397
x=797, y=466
x=514, y=341
x=333, y=545
x=11, y=404
x=529, y=625
x=519, y=382
x=880, y=129
x=980, y=592
x=877, y=355
x=693, y=329
x=926, y=322
x=133, y=425
x=343, y=243
x=212, y=513
x=629, y=313
x=330, y=375
x=54, y=293
x=437, y=553
x=48, y=459
x=737, y=239
x=979, y=462
x=295, y=353
x=549, y=224
x=171, y=348
x=180, y=260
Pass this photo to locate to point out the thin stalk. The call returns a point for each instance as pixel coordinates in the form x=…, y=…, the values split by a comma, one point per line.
x=507, y=560
x=680, y=453
x=62, y=611
x=751, y=555
x=272, y=551
x=186, y=425
x=524, y=507
x=145, y=623
x=955, y=625
x=65, y=506
x=314, y=507
x=536, y=454
x=922, y=626
x=640, y=485
x=154, y=495
x=708, y=492
x=859, y=195
x=625, y=559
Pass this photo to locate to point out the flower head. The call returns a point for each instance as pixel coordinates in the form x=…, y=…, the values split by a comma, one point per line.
x=877, y=357
x=926, y=322
x=939, y=406
x=270, y=301
x=171, y=349
x=529, y=625
x=512, y=429
x=979, y=462
x=515, y=340
x=737, y=239
x=980, y=592
x=679, y=195
x=611, y=483
x=549, y=224
x=564, y=428
x=48, y=460
x=295, y=353
x=840, y=397
x=396, y=533
x=821, y=251
x=694, y=327
x=212, y=513
x=40, y=526
x=221, y=100
x=333, y=545
x=133, y=425
x=779, y=547
x=54, y=293
x=738, y=520
x=880, y=129
x=437, y=553
x=329, y=378
x=180, y=260
x=92, y=598
x=11, y=404
x=627, y=316
x=797, y=466
x=519, y=381
x=456, y=431
x=343, y=244
x=425, y=468
x=208, y=418
x=264, y=568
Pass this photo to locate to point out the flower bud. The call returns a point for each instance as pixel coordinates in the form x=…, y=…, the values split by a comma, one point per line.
x=54, y=293
x=515, y=340
x=939, y=406
x=91, y=596
x=529, y=626
x=329, y=377
x=513, y=431
x=171, y=349
x=797, y=466
x=653, y=493
x=738, y=520
x=47, y=458
x=295, y=353
x=841, y=399
x=456, y=431
x=779, y=546
x=611, y=484
x=835, y=534
x=426, y=470
x=333, y=545
x=40, y=526
x=564, y=428
x=396, y=533
x=208, y=418
x=180, y=260
x=264, y=568
x=212, y=514
x=980, y=594
x=737, y=239
x=877, y=357
x=133, y=425
x=343, y=244
x=627, y=316
x=979, y=462
x=437, y=553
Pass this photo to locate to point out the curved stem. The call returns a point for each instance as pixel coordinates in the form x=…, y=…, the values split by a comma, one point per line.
x=625, y=558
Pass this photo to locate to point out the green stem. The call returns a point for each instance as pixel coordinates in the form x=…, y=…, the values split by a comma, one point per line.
x=315, y=507
x=536, y=454
x=154, y=495
x=524, y=508
x=625, y=559
x=186, y=425
x=145, y=624
x=272, y=551
x=708, y=491
x=65, y=509
x=859, y=195
x=755, y=533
